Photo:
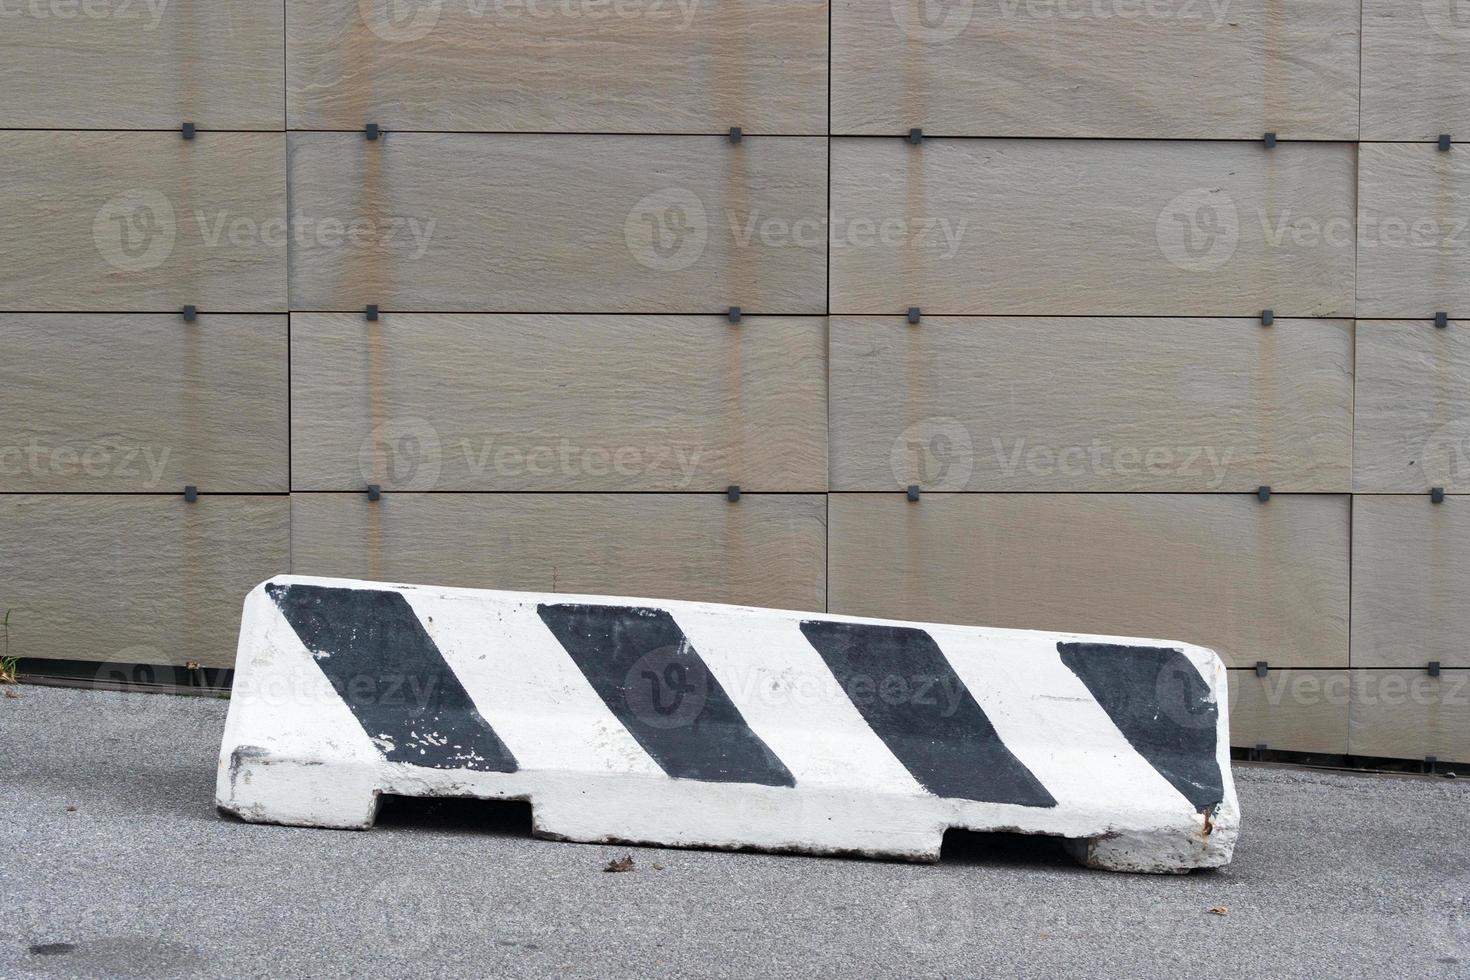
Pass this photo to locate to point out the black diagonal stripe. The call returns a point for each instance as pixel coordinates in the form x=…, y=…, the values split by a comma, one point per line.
x=374, y=650
x=1162, y=706
x=651, y=677
x=903, y=685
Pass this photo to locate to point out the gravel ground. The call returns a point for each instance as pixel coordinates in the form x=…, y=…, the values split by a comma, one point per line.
x=115, y=862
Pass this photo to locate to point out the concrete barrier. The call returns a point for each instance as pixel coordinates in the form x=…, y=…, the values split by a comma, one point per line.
x=691, y=724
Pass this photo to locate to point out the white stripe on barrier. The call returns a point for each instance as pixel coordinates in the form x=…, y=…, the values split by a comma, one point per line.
x=523, y=681
x=1049, y=719
x=791, y=700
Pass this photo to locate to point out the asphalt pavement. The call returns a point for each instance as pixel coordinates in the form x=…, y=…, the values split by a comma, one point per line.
x=114, y=862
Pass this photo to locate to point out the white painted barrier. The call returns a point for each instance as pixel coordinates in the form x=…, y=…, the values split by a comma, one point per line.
x=691, y=724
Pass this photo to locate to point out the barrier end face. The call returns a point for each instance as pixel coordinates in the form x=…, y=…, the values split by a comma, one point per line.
x=1210, y=845
x=260, y=786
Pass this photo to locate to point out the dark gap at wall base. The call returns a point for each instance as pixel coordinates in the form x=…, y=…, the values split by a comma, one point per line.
x=134, y=678
x=1442, y=768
